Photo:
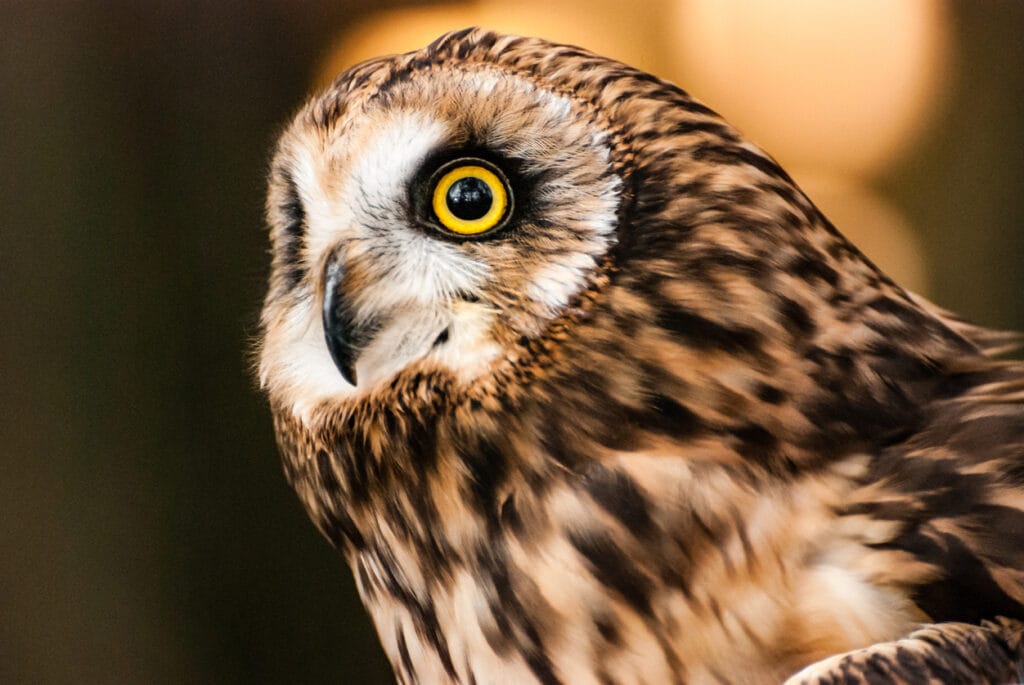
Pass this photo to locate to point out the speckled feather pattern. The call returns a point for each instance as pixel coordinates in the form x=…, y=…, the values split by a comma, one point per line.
x=682, y=432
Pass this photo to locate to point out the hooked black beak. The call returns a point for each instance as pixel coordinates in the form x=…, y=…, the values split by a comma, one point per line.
x=345, y=338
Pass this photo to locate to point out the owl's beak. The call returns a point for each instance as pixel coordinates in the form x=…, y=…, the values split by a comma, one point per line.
x=345, y=338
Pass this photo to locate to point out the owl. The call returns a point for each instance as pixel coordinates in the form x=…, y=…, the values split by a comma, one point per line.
x=586, y=390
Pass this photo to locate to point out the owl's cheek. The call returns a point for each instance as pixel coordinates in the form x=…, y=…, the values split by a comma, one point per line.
x=469, y=348
x=407, y=336
x=454, y=337
x=373, y=331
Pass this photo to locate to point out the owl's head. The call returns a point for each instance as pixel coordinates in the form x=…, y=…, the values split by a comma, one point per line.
x=455, y=212
x=431, y=213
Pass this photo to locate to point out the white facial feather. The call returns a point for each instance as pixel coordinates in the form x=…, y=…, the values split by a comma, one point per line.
x=364, y=218
x=296, y=358
x=354, y=186
x=554, y=285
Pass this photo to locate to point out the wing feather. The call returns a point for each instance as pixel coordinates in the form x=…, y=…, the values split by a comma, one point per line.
x=938, y=654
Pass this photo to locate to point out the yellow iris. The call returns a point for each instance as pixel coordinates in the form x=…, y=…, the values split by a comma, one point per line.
x=470, y=199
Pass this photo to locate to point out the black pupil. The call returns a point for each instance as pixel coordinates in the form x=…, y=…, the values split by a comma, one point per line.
x=469, y=198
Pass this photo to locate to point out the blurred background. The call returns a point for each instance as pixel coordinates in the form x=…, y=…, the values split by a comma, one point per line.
x=146, y=531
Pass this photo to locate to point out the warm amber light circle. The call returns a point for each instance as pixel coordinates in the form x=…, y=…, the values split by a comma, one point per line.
x=491, y=218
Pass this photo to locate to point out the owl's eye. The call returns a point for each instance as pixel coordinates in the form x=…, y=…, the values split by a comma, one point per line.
x=470, y=197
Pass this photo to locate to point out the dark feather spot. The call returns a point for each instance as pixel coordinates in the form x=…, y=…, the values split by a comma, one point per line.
x=328, y=478
x=509, y=517
x=403, y=655
x=292, y=233
x=488, y=467
x=811, y=268
x=558, y=446
x=966, y=590
x=770, y=394
x=716, y=153
x=715, y=127
x=704, y=333
x=665, y=416
x=422, y=443
x=617, y=494
x=614, y=569
x=512, y=618
x=1015, y=474
x=607, y=629
x=442, y=338
x=714, y=262
x=755, y=442
x=795, y=317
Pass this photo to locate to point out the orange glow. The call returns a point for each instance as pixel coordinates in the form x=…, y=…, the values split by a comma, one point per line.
x=390, y=32
x=612, y=29
x=625, y=31
x=843, y=85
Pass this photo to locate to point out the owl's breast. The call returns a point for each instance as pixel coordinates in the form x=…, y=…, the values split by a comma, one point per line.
x=644, y=568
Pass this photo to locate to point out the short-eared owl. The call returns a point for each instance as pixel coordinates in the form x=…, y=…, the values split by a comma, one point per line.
x=586, y=390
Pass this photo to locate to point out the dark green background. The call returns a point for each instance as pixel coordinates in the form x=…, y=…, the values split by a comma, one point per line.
x=146, y=531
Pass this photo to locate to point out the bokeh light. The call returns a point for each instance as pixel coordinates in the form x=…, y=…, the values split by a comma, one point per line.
x=610, y=28
x=845, y=85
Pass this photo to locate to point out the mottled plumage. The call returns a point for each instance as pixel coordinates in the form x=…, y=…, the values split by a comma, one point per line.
x=664, y=424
